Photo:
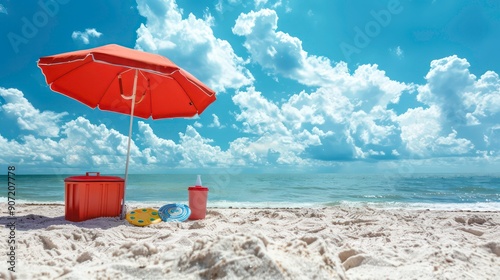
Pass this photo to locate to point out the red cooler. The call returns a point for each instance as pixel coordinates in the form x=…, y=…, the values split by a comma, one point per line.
x=93, y=196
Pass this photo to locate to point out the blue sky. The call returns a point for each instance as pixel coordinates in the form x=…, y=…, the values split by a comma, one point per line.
x=302, y=86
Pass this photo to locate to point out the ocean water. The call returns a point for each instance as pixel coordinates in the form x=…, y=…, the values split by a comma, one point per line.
x=426, y=191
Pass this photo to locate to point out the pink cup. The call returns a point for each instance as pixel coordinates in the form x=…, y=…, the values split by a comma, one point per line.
x=198, y=197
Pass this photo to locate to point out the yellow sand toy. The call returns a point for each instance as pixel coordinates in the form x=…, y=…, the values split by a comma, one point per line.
x=143, y=217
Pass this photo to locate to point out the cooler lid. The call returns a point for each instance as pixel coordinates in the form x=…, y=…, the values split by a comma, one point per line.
x=94, y=177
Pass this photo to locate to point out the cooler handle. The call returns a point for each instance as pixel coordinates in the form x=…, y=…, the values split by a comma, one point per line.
x=96, y=173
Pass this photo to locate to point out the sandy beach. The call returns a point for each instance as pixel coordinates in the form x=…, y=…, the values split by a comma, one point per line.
x=321, y=243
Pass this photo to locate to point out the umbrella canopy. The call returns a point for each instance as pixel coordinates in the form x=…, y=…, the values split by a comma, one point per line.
x=104, y=77
x=127, y=81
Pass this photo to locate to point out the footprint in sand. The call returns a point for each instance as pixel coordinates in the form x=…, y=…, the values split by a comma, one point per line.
x=472, y=231
x=85, y=256
x=476, y=220
x=47, y=242
x=351, y=258
x=494, y=247
x=197, y=225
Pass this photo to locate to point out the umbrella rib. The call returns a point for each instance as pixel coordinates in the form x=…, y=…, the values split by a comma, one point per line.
x=190, y=100
x=109, y=63
x=107, y=88
x=120, y=84
x=193, y=83
x=138, y=68
x=150, y=98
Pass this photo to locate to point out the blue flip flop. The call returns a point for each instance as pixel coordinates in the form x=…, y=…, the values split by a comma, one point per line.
x=174, y=212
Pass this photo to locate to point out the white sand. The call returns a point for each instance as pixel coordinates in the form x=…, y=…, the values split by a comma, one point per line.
x=326, y=243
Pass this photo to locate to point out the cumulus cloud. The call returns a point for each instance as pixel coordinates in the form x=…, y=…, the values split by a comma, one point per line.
x=192, y=151
x=447, y=83
x=363, y=125
x=483, y=101
x=281, y=53
x=85, y=36
x=346, y=116
x=461, y=114
x=29, y=150
x=459, y=94
x=29, y=118
x=190, y=43
x=423, y=135
x=323, y=125
x=85, y=143
x=81, y=145
x=350, y=110
x=273, y=133
x=327, y=125
x=216, y=122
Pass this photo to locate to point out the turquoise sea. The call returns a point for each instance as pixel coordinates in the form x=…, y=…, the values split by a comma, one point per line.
x=429, y=191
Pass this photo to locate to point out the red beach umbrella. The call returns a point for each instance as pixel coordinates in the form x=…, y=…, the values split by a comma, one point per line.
x=127, y=81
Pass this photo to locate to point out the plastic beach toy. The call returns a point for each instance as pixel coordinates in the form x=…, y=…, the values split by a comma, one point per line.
x=174, y=212
x=143, y=217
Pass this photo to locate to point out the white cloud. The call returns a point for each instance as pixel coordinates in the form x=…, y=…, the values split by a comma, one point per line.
x=258, y=115
x=364, y=126
x=159, y=151
x=419, y=128
x=483, y=101
x=86, y=35
x=347, y=120
x=322, y=125
x=351, y=110
x=447, y=82
x=216, y=122
x=190, y=43
x=398, y=51
x=198, y=151
x=260, y=2
x=81, y=145
x=219, y=7
x=346, y=117
x=29, y=150
x=461, y=108
x=462, y=98
x=281, y=53
x=85, y=143
x=192, y=151
x=28, y=118
x=268, y=123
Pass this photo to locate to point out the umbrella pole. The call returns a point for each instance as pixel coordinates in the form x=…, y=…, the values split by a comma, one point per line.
x=128, y=144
